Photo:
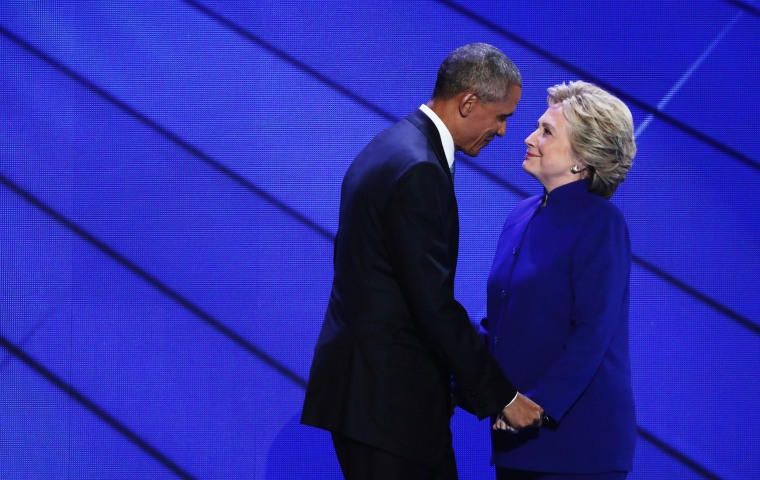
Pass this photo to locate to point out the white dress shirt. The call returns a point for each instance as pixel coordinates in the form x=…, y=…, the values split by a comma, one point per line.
x=446, y=138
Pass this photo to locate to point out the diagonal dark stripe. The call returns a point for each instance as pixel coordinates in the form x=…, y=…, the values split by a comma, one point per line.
x=490, y=175
x=153, y=281
x=741, y=320
x=744, y=6
x=630, y=99
x=177, y=140
x=94, y=408
x=32, y=331
x=682, y=458
x=292, y=60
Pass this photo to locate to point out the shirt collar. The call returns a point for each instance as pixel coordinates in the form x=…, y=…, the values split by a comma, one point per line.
x=446, y=138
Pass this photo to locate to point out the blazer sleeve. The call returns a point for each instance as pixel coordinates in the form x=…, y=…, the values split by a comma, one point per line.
x=600, y=271
x=420, y=245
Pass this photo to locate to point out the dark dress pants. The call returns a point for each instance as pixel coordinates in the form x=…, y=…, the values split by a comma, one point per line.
x=507, y=474
x=359, y=461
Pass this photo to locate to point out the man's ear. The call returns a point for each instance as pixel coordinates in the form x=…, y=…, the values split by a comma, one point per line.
x=466, y=103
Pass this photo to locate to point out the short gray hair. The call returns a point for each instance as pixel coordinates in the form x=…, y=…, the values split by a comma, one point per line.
x=600, y=131
x=478, y=67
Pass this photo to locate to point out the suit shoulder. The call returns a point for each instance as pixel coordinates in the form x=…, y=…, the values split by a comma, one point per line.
x=398, y=149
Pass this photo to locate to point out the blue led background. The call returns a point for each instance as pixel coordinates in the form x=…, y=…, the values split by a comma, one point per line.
x=169, y=185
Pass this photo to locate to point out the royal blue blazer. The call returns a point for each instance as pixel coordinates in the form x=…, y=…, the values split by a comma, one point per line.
x=558, y=299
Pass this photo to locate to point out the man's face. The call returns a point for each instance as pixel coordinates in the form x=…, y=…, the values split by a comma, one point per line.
x=486, y=120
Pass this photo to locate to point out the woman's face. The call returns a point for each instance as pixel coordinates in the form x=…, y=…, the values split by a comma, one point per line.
x=549, y=156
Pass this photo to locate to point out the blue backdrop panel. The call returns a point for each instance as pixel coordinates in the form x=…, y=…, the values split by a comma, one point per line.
x=169, y=186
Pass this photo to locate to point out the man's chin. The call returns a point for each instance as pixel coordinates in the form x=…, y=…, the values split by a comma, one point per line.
x=472, y=153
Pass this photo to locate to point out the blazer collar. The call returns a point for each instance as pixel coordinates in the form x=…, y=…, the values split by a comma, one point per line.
x=569, y=196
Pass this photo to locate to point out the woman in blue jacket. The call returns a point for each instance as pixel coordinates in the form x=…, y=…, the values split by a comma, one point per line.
x=558, y=295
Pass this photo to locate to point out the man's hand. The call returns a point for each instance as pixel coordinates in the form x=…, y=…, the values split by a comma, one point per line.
x=522, y=413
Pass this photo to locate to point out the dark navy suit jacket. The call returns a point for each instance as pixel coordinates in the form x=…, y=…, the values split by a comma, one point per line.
x=393, y=335
x=558, y=298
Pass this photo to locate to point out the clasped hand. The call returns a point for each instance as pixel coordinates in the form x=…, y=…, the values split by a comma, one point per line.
x=520, y=414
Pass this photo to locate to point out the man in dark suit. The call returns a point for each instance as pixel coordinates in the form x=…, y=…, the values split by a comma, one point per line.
x=393, y=335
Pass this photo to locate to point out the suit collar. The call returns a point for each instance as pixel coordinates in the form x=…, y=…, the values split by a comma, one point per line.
x=428, y=128
x=446, y=139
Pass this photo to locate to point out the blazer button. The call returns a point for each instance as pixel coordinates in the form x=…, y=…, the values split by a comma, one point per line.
x=503, y=294
x=514, y=250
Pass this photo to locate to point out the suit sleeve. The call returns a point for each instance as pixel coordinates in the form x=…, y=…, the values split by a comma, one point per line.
x=420, y=246
x=600, y=273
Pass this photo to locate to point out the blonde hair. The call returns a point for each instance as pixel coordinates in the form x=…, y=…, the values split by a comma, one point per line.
x=600, y=131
